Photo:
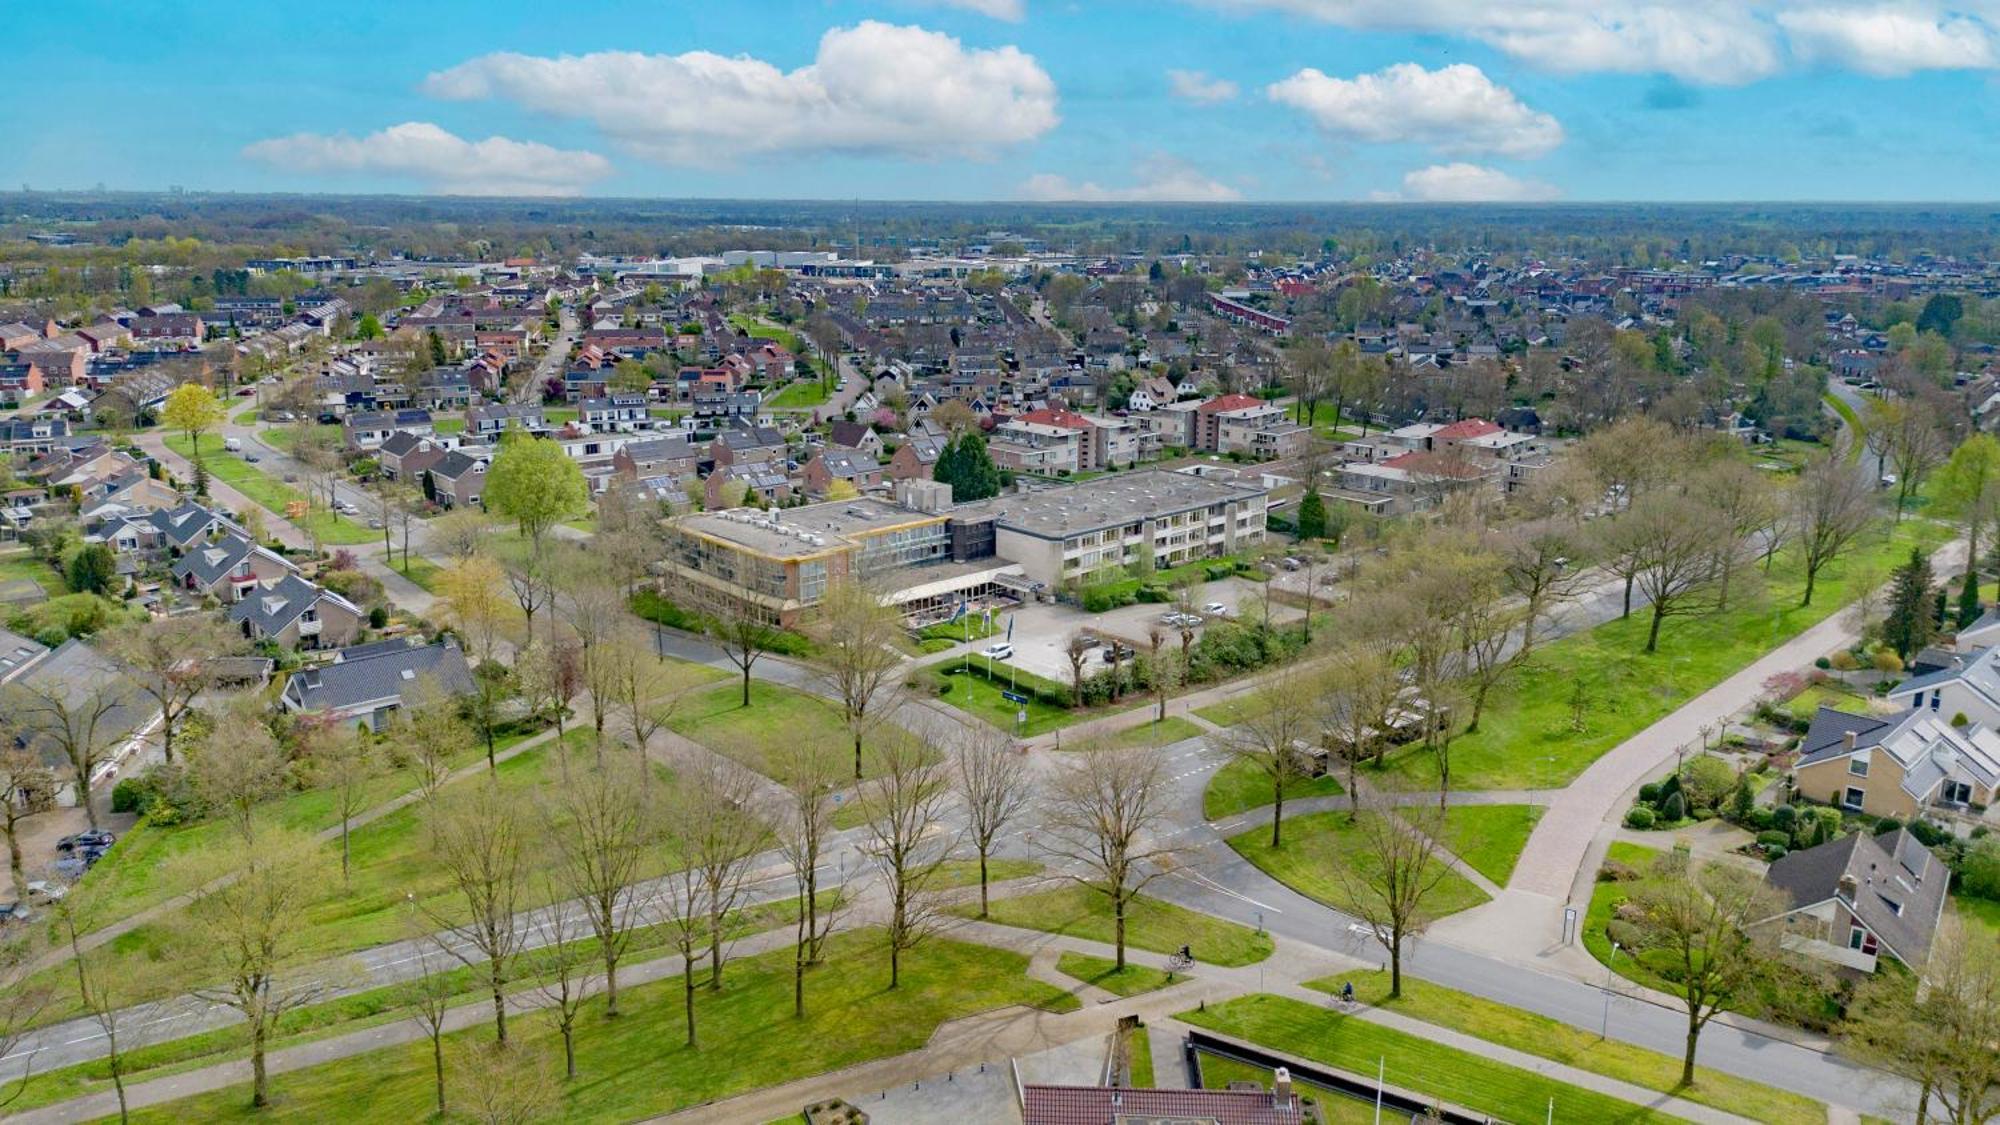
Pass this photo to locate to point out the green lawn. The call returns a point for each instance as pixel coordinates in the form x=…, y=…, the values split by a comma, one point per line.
x=1140, y=1044
x=716, y=718
x=798, y=394
x=1489, y=838
x=1150, y=924
x=1150, y=733
x=976, y=695
x=1334, y=1108
x=1606, y=897
x=1853, y=420
x=1527, y=738
x=1105, y=974
x=285, y=437
x=639, y=1065
x=1979, y=915
x=391, y=861
x=1243, y=785
x=1354, y=1045
x=1318, y=846
x=18, y=565
x=271, y=493
x=421, y=571
x=1228, y=713
x=1572, y=1046
x=1808, y=702
x=971, y=627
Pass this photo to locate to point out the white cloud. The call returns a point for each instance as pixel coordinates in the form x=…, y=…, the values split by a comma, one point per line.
x=442, y=161
x=1161, y=179
x=1711, y=42
x=872, y=89
x=1470, y=183
x=1455, y=109
x=1013, y=11
x=1195, y=86
x=1889, y=40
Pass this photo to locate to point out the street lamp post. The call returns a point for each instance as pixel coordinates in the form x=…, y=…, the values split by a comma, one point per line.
x=1605, y=1031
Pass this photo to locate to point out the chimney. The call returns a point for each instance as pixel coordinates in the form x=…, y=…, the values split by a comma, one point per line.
x=1281, y=1087
x=1847, y=740
x=1848, y=887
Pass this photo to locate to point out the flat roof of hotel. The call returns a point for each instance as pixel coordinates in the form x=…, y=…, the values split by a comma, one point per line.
x=1108, y=501
x=790, y=532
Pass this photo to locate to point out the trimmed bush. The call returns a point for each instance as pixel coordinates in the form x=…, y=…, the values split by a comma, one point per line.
x=1844, y=661
x=1773, y=838
x=1759, y=819
x=1639, y=816
x=1673, y=807
x=1649, y=792
x=1822, y=662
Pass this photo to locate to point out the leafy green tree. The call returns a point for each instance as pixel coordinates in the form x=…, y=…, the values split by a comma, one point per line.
x=1968, y=489
x=1941, y=314
x=535, y=484
x=965, y=464
x=1312, y=515
x=369, y=327
x=1910, y=625
x=193, y=410
x=92, y=569
x=1968, y=601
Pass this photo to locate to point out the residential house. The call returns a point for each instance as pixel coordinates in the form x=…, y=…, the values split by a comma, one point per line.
x=368, y=430
x=916, y=458
x=618, y=413
x=729, y=486
x=1969, y=687
x=297, y=614
x=74, y=671
x=674, y=456
x=855, y=435
x=488, y=423
x=188, y=525
x=228, y=568
x=754, y=445
x=369, y=683
x=405, y=456
x=1914, y=764
x=851, y=465
x=1851, y=901
x=455, y=480
x=32, y=435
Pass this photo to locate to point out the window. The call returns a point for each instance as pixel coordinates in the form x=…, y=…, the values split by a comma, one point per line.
x=1955, y=792
x=1858, y=766
x=1854, y=797
x=1937, y=697
x=1860, y=939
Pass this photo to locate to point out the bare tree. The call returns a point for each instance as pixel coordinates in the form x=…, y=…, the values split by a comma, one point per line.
x=726, y=833
x=1832, y=505
x=992, y=780
x=172, y=659
x=594, y=610
x=429, y=731
x=809, y=775
x=858, y=654
x=647, y=690
x=1668, y=542
x=682, y=908
x=550, y=672
x=244, y=937
x=1912, y=438
x=502, y=1085
x=1279, y=719
x=428, y=996
x=739, y=628
x=529, y=579
x=27, y=788
x=1484, y=625
x=1702, y=920
x=239, y=766
x=1105, y=815
x=604, y=831
x=479, y=840
x=1541, y=564
x=904, y=810
x=561, y=966
x=1361, y=692
x=22, y=1003
x=1396, y=869
x=1076, y=649
x=73, y=719
x=1745, y=506
x=112, y=1000
x=1159, y=669
x=343, y=761
x=461, y=533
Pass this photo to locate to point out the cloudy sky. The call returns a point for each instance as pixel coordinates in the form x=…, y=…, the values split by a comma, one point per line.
x=1017, y=99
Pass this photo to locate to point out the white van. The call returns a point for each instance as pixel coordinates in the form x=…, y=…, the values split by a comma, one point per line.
x=233, y=445
x=1002, y=651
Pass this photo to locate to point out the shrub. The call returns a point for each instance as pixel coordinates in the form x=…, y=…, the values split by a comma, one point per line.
x=1743, y=801
x=1887, y=824
x=128, y=796
x=1776, y=852
x=1759, y=819
x=1822, y=662
x=1980, y=874
x=1649, y=792
x=1928, y=834
x=1958, y=719
x=1773, y=838
x=1624, y=933
x=1705, y=780
x=1887, y=661
x=1704, y=813
x=1844, y=661
x=1784, y=818
x=1673, y=807
x=1616, y=872
x=1639, y=816
x=378, y=617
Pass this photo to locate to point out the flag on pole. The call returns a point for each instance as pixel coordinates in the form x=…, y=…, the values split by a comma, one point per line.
x=1010, y=627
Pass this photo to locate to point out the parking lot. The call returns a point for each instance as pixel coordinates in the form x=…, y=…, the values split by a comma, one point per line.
x=1042, y=632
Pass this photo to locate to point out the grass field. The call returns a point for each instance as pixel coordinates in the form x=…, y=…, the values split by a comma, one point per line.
x=1318, y=847
x=776, y=717
x=1228, y=713
x=1572, y=1046
x=1140, y=1045
x=640, y=1065
x=271, y=493
x=1527, y=738
x=1359, y=1047
x=798, y=394
x=1334, y=1108
x=1242, y=785
x=976, y=695
x=1489, y=838
x=1105, y=974
x=1606, y=897
x=1151, y=925
x=1161, y=733
x=20, y=565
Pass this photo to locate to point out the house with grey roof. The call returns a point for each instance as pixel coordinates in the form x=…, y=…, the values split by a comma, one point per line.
x=297, y=614
x=1852, y=901
x=1918, y=763
x=18, y=654
x=229, y=568
x=368, y=683
x=455, y=480
x=191, y=523
x=83, y=680
x=1970, y=686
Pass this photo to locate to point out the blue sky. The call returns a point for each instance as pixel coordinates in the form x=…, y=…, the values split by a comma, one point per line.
x=1262, y=100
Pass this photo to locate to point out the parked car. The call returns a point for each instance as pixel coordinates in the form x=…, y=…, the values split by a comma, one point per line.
x=1001, y=651
x=43, y=891
x=252, y=458
x=1216, y=609
x=374, y=525
x=1292, y=563
x=16, y=912
x=94, y=838
x=1115, y=653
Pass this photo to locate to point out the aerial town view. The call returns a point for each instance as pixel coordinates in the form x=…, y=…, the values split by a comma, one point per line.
x=1001, y=562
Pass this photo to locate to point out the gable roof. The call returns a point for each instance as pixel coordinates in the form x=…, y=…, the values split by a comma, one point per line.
x=377, y=675
x=214, y=562
x=1898, y=888
x=273, y=608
